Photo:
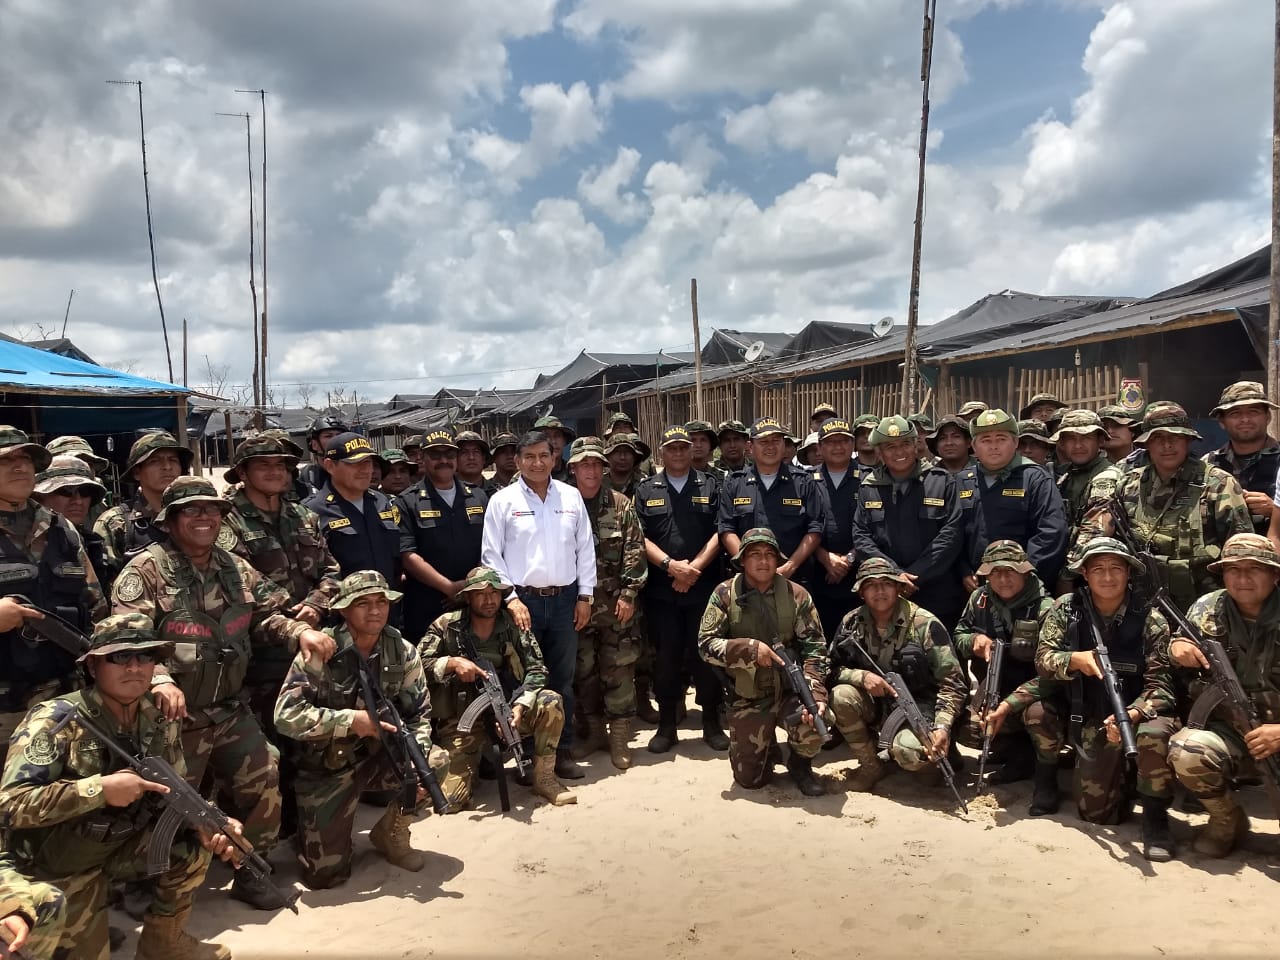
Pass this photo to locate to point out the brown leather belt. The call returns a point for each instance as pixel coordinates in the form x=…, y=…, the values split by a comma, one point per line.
x=544, y=591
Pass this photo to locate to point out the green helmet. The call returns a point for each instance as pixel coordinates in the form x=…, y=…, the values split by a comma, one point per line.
x=150, y=443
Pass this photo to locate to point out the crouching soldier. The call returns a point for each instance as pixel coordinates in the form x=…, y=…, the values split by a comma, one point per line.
x=32, y=914
x=745, y=616
x=80, y=819
x=340, y=752
x=484, y=626
x=901, y=638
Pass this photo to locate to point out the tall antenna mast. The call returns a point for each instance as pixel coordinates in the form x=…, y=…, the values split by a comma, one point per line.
x=253, y=290
x=262, y=97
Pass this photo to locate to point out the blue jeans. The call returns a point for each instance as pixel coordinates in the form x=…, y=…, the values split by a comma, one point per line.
x=552, y=625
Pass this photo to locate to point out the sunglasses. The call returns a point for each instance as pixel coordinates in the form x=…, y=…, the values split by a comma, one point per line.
x=85, y=491
x=122, y=658
x=201, y=510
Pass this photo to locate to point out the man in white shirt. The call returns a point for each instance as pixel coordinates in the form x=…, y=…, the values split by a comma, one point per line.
x=537, y=535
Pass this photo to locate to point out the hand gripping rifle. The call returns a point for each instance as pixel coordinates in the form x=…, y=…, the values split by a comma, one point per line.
x=795, y=676
x=907, y=711
x=183, y=806
x=402, y=749
x=494, y=699
x=991, y=700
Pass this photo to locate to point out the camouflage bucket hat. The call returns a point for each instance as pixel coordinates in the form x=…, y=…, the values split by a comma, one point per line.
x=835, y=427
x=1241, y=394
x=479, y=579
x=1164, y=416
x=505, y=440
x=810, y=440
x=1100, y=546
x=78, y=447
x=1113, y=411
x=732, y=426
x=993, y=421
x=553, y=423
x=1007, y=555
x=622, y=441
x=362, y=583
x=13, y=440
x=701, y=426
x=393, y=455
x=959, y=422
x=890, y=429
x=188, y=490
x=923, y=423
x=68, y=470
x=1247, y=547
x=759, y=535
x=878, y=568
x=616, y=418
x=1033, y=430
x=1082, y=423
x=470, y=436
x=866, y=421
x=971, y=408
x=125, y=631
x=1039, y=398
x=259, y=446
x=282, y=437
x=587, y=448
x=150, y=443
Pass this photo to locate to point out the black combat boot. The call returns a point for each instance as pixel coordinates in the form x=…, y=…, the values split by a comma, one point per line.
x=1157, y=839
x=665, y=738
x=801, y=770
x=1019, y=763
x=713, y=734
x=1045, y=796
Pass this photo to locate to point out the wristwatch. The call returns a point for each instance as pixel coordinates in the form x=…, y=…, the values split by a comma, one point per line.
x=666, y=563
x=587, y=599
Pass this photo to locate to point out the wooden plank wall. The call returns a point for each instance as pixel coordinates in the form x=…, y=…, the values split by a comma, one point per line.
x=1086, y=387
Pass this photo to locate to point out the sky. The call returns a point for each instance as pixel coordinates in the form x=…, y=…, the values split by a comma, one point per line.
x=468, y=194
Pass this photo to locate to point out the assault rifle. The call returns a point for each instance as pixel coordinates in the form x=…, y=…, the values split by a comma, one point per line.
x=402, y=749
x=183, y=806
x=54, y=629
x=1110, y=683
x=990, y=700
x=493, y=698
x=795, y=676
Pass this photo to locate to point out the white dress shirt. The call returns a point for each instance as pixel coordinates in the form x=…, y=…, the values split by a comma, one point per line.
x=533, y=542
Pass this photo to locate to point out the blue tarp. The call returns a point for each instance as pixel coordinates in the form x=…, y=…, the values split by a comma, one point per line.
x=24, y=369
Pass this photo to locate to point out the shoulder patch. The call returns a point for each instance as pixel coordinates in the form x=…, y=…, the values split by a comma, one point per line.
x=130, y=586
x=41, y=749
x=226, y=538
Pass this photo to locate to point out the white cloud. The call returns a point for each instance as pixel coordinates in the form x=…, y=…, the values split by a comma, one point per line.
x=603, y=187
x=560, y=121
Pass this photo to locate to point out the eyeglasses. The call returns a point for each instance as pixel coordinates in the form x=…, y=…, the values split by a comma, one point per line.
x=201, y=510
x=122, y=658
x=85, y=491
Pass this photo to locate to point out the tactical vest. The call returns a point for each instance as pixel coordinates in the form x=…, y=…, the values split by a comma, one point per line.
x=140, y=532
x=1004, y=507
x=1021, y=639
x=450, y=698
x=1125, y=646
x=1175, y=537
x=1074, y=486
x=210, y=656
x=56, y=583
x=1256, y=666
x=750, y=619
x=900, y=653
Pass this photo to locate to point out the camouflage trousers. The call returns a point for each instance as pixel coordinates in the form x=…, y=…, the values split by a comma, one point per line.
x=1207, y=762
x=9, y=721
x=752, y=733
x=1101, y=785
x=1046, y=724
x=244, y=764
x=543, y=721
x=605, y=679
x=40, y=902
x=262, y=701
x=327, y=801
x=85, y=930
x=857, y=713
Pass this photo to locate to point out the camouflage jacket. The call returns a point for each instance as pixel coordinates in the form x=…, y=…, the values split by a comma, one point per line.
x=1254, y=472
x=32, y=546
x=942, y=685
x=1081, y=487
x=621, y=565
x=39, y=903
x=1252, y=646
x=739, y=618
x=514, y=652
x=985, y=613
x=627, y=489
x=318, y=702
x=288, y=549
x=51, y=791
x=125, y=529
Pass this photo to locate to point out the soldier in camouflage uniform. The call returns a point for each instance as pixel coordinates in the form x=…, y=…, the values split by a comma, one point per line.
x=623, y=452
x=745, y=616
x=1122, y=427
x=43, y=564
x=473, y=457
x=68, y=487
x=731, y=438
x=610, y=646
x=1089, y=476
x=69, y=445
x=558, y=436
x=155, y=460
x=865, y=457
x=970, y=409
x=1251, y=454
x=280, y=539
x=1245, y=619
x=32, y=914
x=1009, y=606
x=1033, y=442
x=1137, y=639
x=906, y=639
x=214, y=606
x=398, y=473
x=1182, y=509
x=338, y=745
x=506, y=447
x=80, y=819
x=537, y=711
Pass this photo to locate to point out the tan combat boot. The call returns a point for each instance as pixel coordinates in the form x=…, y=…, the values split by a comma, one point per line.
x=871, y=769
x=390, y=837
x=1226, y=827
x=166, y=938
x=620, y=742
x=596, y=738
x=547, y=786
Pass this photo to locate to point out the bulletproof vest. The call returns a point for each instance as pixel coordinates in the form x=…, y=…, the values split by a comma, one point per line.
x=1074, y=485
x=140, y=532
x=1175, y=537
x=1257, y=473
x=750, y=618
x=56, y=583
x=450, y=698
x=210, y=655
x=313, y=475
x=606, y=529
x=1022, y=638
x=1127, y=657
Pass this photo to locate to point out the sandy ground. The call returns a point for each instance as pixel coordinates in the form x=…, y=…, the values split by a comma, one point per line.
x=670, y=859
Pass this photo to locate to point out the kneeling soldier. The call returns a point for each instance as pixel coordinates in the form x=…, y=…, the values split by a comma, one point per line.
x=493, y=634
x=340, y=752
x=32, y=914
x=80, y=819
x=903, y=638
x=745, y=616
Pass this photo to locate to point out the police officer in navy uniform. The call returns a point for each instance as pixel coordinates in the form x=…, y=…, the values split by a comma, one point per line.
x=441, y=526
x=837, y=479
x=319, y=432
x=772, y=493
x=360, y=524
x=677, y=510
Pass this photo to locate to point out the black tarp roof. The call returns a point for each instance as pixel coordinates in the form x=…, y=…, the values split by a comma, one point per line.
x=567, y=390
x=824, y=334
x=729, y=346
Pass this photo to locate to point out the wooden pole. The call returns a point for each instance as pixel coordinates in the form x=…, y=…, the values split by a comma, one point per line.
x=226, y=421
x=910, y=366
x=66, y=315
x=697, y=348
x=184, y=352
x=1273, y=324
x=262, y=348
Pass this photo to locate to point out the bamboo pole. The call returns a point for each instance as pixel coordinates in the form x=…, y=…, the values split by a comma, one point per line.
x=697, y=350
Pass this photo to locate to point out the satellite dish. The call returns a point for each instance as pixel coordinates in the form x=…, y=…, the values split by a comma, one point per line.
x=754, y=352
x=881, y=327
